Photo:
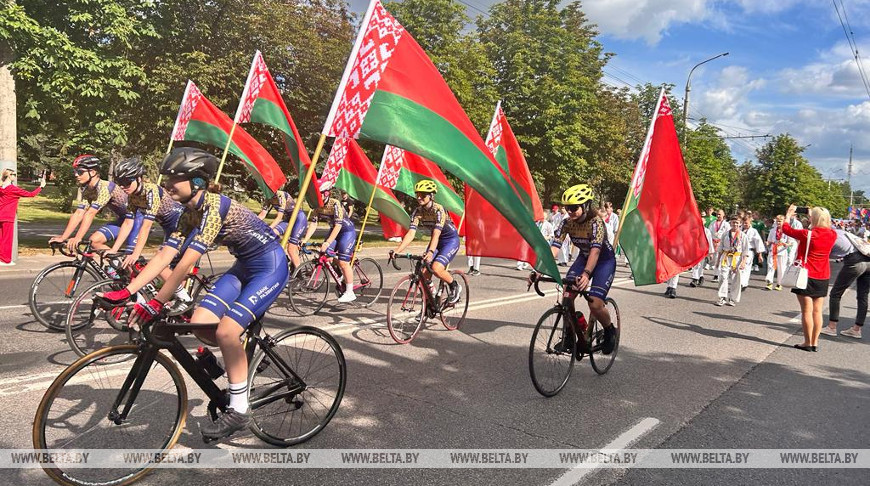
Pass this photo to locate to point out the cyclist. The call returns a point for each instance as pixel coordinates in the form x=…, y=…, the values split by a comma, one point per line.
x=284, y=204
x=146, y=201
x=444, y=243
x=595, y=264
x=341, y=238
x=240, y=296
x=96, y=195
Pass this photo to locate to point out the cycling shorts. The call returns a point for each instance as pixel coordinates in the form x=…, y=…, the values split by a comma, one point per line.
x=343, y=244
x=446, y=250
x=111, y=230
x=299, y=229
x=602, y=276
x=249, y=287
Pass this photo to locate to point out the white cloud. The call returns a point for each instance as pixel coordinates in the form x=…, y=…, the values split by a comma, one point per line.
x=727, y=99
x=643, y=19
x=834, y=72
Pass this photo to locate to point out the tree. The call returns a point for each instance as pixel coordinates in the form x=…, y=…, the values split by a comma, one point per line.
x=712, y=169
x=548, y=68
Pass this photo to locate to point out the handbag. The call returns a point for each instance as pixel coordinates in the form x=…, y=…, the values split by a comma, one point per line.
x=796, y=274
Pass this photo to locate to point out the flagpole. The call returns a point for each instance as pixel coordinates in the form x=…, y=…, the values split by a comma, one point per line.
x=643, y=153
x=168, y=149
x=226, y=150
x=368, y=209
x=303, y=190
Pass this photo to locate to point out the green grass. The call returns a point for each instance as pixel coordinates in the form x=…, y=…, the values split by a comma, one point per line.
x=42, y=208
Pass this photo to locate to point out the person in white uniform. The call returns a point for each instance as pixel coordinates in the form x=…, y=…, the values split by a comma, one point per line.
x=732, y=252
x=777, y=261
x=698, y=270
x=756, y=247
x=718, y=229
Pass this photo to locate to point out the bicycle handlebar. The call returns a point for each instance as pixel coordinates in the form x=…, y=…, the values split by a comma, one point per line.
x=536, y=278
x=394, y=257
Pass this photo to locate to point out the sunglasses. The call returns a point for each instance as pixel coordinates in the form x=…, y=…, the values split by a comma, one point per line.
x=79, y=172
x=422, y=195
x=125, y=183
x=572, y=207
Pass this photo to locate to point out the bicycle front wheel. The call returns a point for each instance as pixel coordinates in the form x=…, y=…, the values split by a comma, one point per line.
x=368, y=281
x=296, y=385
x=601, y=362
x=549, y=368
x=54, y=289
x=89, y=328
x=308, y=288
x=453, y=315
x=406, y=310
x=80, y=410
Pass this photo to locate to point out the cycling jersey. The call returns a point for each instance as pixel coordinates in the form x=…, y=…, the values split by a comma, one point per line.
x=154, y=204
x=219, y=218
x=434, y=217
x=585, y=235
x=332, y=212
x=281, y=202
x=105, y=195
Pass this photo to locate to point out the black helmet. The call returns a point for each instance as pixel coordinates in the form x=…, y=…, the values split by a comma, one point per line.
x=86, y=162
x=129, y=169
x=190, y=163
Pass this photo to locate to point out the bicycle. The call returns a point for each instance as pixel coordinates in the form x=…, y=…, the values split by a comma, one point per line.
x=55, y=287
x=85, y=331
x=297, y=380
x=414, y=300
x=308, y=287
x=544, y=358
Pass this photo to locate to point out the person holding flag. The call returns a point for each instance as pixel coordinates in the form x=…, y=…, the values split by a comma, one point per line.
x=341, y=238
x=284, y=203
x=595, y=264
x=444, y=244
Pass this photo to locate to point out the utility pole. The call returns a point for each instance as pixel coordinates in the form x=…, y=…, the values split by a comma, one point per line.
x=849, y=176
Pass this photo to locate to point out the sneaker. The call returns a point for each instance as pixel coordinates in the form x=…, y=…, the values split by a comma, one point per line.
x=346, y=297
x=701, y=281
x=722, y=301
x=706, y=266
x=731, y=302
x=470, y=271
x=455, y=291
x=671, y=293
x=609, y=340
x=755, y=268
x=769, y=286
x=743, y=289
x=715, y=278
x=475, y=272
x=826, y=330
x=851, y=333
x=227, y=424
x=778, y=287
x=693, y=283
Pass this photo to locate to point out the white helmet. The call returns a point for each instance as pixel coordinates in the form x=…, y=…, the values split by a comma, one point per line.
x=325, y=186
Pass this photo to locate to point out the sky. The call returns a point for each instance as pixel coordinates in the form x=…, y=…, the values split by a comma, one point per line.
x=790, y=68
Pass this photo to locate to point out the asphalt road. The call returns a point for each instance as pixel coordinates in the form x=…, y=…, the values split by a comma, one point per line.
x=688, y=375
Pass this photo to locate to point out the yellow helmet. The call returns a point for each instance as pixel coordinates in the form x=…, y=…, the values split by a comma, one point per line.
x=579, y=194
x=426, y=185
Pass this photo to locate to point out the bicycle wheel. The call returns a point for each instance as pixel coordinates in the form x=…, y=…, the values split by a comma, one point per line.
x=601, y=362
x=368, y=281
x=453, y=315
x=406, y=310
x=54, y=289
x=548, y=368
x=285, y=410
x=89, y=328
x=74, y=413
x=308, y=288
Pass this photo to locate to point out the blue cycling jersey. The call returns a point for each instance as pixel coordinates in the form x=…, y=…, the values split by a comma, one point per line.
x=105, y=195
x=433, y=217
x=219, y=218
x=154, y=204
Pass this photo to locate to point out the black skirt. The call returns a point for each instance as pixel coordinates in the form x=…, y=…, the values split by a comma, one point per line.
x=815, y=288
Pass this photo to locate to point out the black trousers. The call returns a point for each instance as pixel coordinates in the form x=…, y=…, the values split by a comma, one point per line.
x=855, y=267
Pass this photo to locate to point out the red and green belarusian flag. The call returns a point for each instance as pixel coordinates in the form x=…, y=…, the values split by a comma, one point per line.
x=392, y=93
x=262, y=103
x=357, y=177
x=199, y=120
x=488, y=233
x=661, y=230
x=401, y=170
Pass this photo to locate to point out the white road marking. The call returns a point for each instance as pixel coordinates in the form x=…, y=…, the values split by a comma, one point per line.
x=6, y=307
x=574, y=475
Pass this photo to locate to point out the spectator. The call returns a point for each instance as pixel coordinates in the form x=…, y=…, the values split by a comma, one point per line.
x=812, y=298
x=9, y=195
x=546, y=230
x=777, y=260
x=856, y=266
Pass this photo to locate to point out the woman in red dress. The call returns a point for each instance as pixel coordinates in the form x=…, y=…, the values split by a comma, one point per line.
x=9, y=195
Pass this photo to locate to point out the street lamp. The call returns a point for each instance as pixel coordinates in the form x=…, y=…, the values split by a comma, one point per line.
x=689, y=87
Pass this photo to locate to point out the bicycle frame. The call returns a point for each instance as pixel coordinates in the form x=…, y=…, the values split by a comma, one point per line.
x=323, y=262
x=164, y=335
x=418, y=277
